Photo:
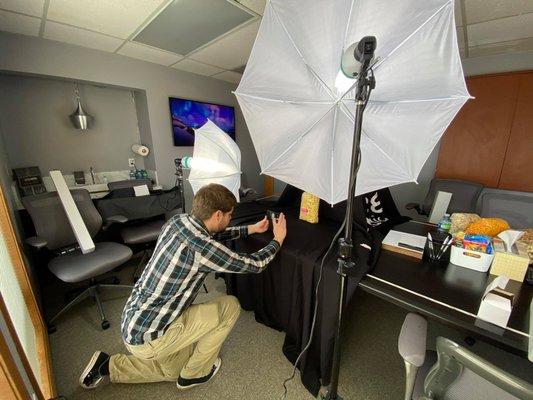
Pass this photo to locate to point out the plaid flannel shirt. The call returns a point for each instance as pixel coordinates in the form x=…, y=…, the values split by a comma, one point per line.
x=183, y=256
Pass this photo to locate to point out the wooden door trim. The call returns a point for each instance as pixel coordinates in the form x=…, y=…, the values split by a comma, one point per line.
x=43, y=345
x=11, y=369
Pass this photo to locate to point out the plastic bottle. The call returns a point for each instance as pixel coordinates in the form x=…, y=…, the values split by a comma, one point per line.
x=445, y=223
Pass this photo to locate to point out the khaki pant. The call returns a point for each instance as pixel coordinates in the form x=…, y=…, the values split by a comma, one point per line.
x=189, y=347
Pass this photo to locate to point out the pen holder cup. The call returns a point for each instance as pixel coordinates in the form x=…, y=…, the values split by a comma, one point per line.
x=434, y=250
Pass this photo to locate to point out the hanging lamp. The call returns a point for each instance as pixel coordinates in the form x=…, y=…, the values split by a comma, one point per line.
x=80, y=119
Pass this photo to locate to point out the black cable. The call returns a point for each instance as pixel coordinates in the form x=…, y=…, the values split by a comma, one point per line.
x=315, y=312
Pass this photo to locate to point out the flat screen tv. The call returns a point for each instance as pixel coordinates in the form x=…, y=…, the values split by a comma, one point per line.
x=188, y=115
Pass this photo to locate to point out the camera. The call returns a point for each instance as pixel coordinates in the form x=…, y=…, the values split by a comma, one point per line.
x=272, y=215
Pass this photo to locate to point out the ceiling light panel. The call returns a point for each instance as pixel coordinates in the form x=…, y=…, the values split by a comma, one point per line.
x=485, y=10
x=17, y=23
x=80, y=37
x=501, y=30
x=146, y=53
x=232, y=50
x=118, y=18
x=197, y=67
x=186, y=25
x=30, y=7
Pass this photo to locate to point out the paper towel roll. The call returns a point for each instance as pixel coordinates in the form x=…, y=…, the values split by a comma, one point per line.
x=140, y=150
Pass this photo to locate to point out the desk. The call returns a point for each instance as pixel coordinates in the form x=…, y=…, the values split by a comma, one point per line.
x=282, y=296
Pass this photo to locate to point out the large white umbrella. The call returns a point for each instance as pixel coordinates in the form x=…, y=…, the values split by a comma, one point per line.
x=300, y=110
x=216, y=159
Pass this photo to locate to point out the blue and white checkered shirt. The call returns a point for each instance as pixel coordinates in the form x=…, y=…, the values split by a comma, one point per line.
x=184, y=254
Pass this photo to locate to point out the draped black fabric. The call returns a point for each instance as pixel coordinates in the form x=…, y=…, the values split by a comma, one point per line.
x=283, y=296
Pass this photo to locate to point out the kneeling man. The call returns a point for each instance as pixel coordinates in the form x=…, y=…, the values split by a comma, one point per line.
x=169, y=338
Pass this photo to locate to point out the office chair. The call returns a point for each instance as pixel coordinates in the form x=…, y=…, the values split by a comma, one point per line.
x=514, y=207
x=452, y=372
x=138, y=233
x=70, y=264
x=464, y=196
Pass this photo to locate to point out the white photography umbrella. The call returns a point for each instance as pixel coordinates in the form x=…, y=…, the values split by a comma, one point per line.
x=299, y=107
x=216, y=159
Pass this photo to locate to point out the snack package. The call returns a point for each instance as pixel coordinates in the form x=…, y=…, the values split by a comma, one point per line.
x=488, y=226
x=309, y=208
x=461, y=220
x=479, y=243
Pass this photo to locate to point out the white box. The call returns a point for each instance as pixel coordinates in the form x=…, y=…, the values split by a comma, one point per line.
x=495, y=307
x=471, y=259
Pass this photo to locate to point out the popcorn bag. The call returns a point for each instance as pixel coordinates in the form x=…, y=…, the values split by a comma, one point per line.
x=309, y=208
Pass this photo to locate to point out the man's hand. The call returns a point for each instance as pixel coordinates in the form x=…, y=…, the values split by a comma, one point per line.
x=258, y=227
x=279, y=226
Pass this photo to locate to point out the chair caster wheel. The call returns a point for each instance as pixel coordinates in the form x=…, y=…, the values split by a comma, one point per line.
x=51, y=328
x=116, y=281
x=105, y=324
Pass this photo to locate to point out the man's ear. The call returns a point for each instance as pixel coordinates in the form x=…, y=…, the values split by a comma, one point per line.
x=218, y=215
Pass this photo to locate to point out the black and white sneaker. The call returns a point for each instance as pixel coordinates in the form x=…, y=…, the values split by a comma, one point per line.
x=184, y=383
x=92, y=375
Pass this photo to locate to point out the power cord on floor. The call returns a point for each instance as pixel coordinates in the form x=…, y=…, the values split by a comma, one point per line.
x=315, y=312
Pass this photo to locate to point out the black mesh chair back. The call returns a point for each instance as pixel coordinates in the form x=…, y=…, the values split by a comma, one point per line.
x=51, y=221
x=464, y=195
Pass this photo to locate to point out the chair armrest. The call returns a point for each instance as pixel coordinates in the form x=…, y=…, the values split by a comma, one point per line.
x=119, y=219
x=37, y=242
x=414, y=206
x=412, y=340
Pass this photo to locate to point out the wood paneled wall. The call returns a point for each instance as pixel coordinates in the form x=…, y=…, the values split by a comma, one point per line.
x=491, y=139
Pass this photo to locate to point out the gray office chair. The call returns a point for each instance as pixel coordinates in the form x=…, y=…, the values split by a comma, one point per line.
x=464, y=196
x=515, y=207
x=70, y=264
x=453, y=372
x=142, y=234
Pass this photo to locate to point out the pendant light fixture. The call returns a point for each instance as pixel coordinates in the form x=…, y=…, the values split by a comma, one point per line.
x=80, y=119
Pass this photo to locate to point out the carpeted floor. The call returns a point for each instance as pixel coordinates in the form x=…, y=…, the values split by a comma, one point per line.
x=253, y=365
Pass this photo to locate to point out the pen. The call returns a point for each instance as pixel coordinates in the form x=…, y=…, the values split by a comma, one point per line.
x=410, y=246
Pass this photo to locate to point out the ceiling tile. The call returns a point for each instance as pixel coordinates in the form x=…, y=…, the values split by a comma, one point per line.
x=257, y=6
x=113, y=17
x=501, y=30
x=30, y=7
x=485, y=10
x=80, y=37
x=458, y=13
x=17, y=23
x=229, y=76
x=232, y=50
x=502, y=48
x=197, y=67
x=150, y=54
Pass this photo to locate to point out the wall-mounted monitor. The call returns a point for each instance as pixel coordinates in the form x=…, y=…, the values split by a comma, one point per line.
x=188, y=115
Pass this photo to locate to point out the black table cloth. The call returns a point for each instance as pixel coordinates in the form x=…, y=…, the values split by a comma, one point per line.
x=283, y=296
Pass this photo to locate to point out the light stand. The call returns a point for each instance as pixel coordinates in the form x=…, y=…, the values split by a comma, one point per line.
x=179, y=179
x=364, y=52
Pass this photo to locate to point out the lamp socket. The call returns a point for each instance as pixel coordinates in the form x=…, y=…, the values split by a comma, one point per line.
x=131, y=162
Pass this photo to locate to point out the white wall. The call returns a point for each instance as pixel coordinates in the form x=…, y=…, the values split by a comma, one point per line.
x=37, y=130
x=44, y=57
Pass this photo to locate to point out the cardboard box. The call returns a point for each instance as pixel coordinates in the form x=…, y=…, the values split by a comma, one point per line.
x=512, y=264
x=496, y=304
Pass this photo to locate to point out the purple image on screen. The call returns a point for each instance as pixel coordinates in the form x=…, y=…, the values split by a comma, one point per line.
x=188, y=115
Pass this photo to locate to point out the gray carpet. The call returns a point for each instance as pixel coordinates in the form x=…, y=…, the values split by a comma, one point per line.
x=253, y=365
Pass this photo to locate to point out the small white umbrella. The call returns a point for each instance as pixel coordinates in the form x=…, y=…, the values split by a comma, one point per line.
x=216, y=159
x=299, y=108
